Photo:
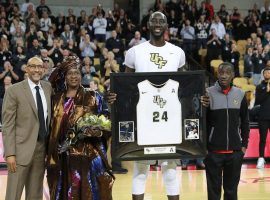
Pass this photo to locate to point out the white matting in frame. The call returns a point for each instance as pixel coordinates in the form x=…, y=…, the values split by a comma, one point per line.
x=192, y=129
x=126, y=131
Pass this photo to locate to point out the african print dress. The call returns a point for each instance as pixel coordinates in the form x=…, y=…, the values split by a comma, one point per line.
x=79, y=171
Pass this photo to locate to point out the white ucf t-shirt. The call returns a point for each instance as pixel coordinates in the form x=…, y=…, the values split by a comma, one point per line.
x=148, y=58
x=159, y=116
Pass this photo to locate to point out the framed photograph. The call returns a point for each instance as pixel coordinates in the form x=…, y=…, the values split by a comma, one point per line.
x=158, y=115
x=192, y=129
x=126, y=131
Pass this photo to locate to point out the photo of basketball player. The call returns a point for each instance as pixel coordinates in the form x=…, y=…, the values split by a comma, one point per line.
x=126, y=131
x=191, y=129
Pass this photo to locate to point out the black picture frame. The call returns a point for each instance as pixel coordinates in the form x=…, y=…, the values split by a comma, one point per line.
x=191, y=87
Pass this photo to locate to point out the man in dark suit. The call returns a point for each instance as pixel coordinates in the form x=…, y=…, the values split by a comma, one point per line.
x=26, y=115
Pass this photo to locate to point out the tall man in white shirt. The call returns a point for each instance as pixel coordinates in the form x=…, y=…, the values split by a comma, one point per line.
x=155, y=55
x=26, y=115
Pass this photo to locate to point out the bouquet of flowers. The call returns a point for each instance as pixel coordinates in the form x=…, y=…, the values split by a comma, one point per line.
x=79, y=131
x=97, y=122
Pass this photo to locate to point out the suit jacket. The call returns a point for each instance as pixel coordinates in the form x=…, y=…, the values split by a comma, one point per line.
x=20, y=120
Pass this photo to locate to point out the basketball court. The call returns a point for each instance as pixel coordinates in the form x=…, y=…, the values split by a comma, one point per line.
x=254, y=184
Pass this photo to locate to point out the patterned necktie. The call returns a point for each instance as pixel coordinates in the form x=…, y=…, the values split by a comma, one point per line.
x=42, y=128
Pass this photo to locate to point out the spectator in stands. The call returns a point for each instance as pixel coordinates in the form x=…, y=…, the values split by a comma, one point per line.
x=219, y=27
x=201, y=30
x=103, y=57
x=15, y=14
x=31, y=13
x=4, y=30
x=41, y=39
x=226, y=45
x=88, y=71
x=136, y=40
x=115, y=45
x=51, y=36
x=18, y=34
x=110, y=65
x=123, y=23
x=87, y=47
x=9, y=6
x=173, y=22
x=67, y=34
x=241, y=31
x=71, y=21
x=7, y=82
x=16, y=23
x=80, y=19
x=228, y=26
x=88, y=27
x=45, y=22
x=5, y=53
x=260, y=33
x=171, y=5
x=262, y=98
x=222, y=13
x=94, y=86
x=100, y=24
x=25, y=5
x=44, y=56
x=253, y=23
x=9, y=70
x=71, y=15
x=71, y=46
x=192, y=15
x=18, y=60
x=234, y=59
x=266, y=39
x=144, y=31
x=235, y=17
x=210, y=8
x=203, y=11
x=34, y=50
x=56, y=52
x=30, y=35
x=110, y=24
x=213, y=47
x=188, y=36
x=265, y=17
x=60, y=23
x=266, y=53
x=43, y=7
x=47, y=69
x=259, y=64
x=182, y=6
x=248, y=63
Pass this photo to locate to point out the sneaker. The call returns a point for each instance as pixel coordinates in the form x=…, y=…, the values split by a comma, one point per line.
x=260, y=163
x=200, y=166
x=119, y=170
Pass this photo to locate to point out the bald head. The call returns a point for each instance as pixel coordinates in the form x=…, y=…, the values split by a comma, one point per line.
x=35, y=61
x=158, y=13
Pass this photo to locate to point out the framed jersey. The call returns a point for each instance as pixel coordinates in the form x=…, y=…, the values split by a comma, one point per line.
x=158, y=115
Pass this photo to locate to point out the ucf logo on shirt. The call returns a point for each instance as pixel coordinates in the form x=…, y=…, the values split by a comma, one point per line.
x=158, y=60
x=159, y=101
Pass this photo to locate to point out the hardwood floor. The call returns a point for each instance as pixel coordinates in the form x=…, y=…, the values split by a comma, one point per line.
x=254, y=184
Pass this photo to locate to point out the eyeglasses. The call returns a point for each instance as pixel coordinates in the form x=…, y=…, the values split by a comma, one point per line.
x=32, y=67
x=76, y=73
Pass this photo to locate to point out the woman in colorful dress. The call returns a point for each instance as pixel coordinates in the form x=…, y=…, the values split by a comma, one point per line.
x=77, y=166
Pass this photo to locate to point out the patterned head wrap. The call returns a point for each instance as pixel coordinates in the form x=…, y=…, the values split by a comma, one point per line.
x=57, y=77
